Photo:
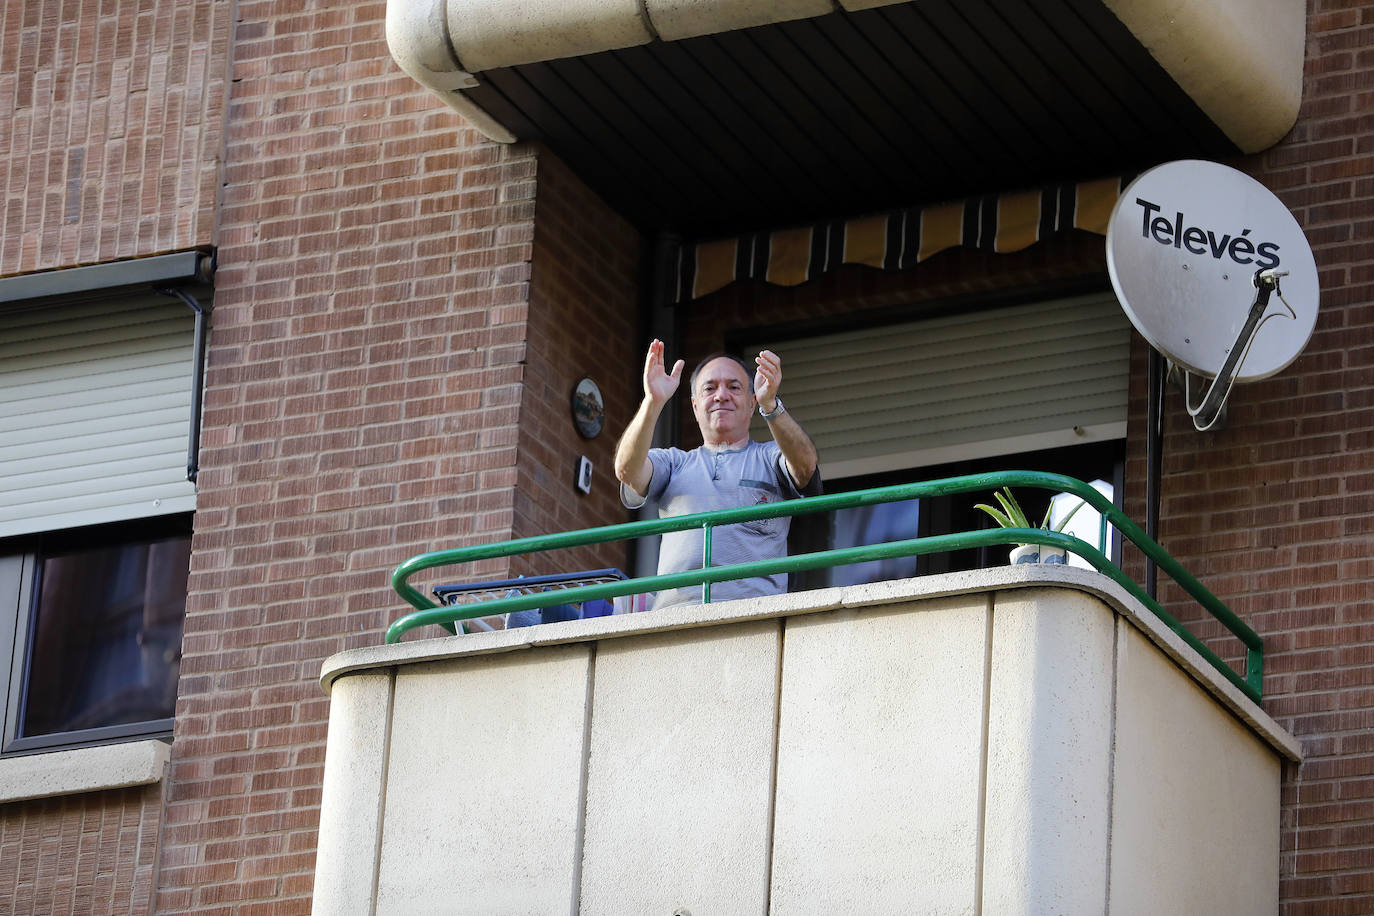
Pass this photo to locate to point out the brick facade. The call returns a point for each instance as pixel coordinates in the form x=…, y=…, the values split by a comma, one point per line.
x=113, y=115
x=1276, y=512
x=583, y=322
x=362, y=406
x=401, y=311
x=89, y=853
x=110, y=148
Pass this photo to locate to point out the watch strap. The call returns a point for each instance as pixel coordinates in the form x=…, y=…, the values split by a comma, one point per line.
x=778, y=410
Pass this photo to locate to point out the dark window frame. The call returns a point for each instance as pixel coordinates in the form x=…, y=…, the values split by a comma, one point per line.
x=20, y=565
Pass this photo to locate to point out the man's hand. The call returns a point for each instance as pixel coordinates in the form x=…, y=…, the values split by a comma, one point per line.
x=797, y=449
x=659, y=384
x=632, y=465
x=767, y=380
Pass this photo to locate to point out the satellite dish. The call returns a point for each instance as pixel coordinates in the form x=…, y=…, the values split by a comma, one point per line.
x=1202, y=257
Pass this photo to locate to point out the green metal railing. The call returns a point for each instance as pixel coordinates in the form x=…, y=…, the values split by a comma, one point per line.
x=428, y=612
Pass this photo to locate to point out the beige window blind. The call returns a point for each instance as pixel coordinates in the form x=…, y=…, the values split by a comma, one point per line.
x=959, y=387
x=95, y=405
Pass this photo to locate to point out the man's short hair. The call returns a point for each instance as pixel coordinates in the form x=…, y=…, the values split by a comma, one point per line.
x=748, y=371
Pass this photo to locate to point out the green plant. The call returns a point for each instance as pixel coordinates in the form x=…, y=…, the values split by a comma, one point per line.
x=1012, y=516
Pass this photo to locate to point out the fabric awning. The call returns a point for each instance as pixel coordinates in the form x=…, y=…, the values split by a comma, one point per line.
x=898, y=239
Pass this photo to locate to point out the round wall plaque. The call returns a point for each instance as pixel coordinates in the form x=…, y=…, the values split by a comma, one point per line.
x=589, y=411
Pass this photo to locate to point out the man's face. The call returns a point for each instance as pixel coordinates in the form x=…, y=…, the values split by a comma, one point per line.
x=722, y=402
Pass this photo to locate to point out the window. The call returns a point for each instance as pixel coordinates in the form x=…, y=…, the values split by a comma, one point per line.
x=96, y=615
x=1036, y=385
x=1099, y=463
x=100, y=375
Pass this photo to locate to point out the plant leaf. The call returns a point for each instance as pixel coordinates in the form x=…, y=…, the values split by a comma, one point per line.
x=999, y=517
x=1013, y=507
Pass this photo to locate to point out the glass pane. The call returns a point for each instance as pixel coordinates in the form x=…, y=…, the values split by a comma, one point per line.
x=877, y=524
x=1085, y=523
x=105, y=645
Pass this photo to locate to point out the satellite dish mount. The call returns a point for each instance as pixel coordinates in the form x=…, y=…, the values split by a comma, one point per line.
x=1205, y=414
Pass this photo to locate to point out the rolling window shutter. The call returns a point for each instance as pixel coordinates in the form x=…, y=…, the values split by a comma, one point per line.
x=960, y=387
x=95, y=410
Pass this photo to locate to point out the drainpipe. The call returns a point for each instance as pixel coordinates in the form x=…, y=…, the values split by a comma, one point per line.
x=662, y=321
x=205, y=272
x=1154, y=447
x=665, y=321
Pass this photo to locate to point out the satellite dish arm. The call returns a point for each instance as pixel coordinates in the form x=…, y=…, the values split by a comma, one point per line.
x=1205, y=415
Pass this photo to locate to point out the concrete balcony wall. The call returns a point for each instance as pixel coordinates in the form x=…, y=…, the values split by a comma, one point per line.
x=1017, y=740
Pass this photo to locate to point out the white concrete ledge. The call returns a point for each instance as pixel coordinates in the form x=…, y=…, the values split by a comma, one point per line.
x=1240, y=60
x=487, y=34
x=87, y=769
x=675, y=19
x=417, y=34
x=803, y=603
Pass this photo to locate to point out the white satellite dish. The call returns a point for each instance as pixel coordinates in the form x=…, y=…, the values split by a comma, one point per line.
x=1202, y=257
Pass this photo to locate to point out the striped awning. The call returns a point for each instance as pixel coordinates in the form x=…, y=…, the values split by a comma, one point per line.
x=897, y=239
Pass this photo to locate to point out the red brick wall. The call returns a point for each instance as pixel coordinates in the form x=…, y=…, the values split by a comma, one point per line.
x=112, y=117
x=583, y=322
x=89, y=853
x=1276, y=512
x=111, y=121
x=362, y=406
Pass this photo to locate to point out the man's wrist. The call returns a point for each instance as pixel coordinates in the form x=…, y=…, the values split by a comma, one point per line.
x=777, y=410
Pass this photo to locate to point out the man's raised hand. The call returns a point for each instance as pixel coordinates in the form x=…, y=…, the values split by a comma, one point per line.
x=659, y=384
x=767, y=380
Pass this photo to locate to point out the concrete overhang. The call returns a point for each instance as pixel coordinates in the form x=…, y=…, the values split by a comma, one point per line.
x=510, y=68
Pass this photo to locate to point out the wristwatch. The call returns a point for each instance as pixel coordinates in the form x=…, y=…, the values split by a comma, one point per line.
x=777, y=411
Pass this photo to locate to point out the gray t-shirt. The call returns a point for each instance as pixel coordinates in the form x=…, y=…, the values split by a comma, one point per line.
x=703, y=480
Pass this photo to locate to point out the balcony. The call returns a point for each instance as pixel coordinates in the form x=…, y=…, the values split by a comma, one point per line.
x=1021, y=739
